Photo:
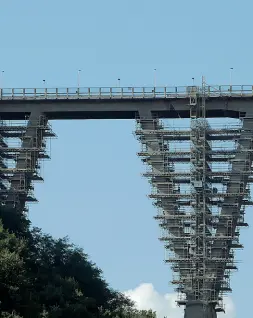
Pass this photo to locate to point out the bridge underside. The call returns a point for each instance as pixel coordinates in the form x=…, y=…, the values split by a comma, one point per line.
x=120, y=109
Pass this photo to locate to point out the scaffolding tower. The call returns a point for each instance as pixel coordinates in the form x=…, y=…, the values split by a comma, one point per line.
x=22, y=147
x=200, y=179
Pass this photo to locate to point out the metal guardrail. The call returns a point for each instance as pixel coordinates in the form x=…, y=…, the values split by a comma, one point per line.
x=124, y=92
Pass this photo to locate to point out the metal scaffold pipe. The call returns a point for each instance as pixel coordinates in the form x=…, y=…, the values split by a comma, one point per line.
x=200, y=187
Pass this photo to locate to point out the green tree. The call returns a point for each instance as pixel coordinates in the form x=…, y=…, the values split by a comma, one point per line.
x=130, y=313
x=14, y=221
x=9, y=315
x=12, y=269
x=43, y=277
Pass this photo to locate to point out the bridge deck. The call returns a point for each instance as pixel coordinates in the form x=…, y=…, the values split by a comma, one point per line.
x=122, y=102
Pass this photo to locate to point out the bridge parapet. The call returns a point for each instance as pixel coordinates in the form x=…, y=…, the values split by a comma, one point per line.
x=125, y=92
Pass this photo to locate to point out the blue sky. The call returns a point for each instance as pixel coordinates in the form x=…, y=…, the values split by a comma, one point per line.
x=93, y=190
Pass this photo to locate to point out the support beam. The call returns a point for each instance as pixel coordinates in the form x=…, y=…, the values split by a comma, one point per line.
x=238, y=182
x=161, y=164
x=200, y=202
x=155, y=143
x=26, y=163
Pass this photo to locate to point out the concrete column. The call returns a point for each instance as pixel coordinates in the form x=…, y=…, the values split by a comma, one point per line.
x=196, y=309
x=155, y=143
x=243, y=161
x=26, y=162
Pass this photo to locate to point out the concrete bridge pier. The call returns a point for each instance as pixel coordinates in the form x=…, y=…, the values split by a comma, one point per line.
x=196, y=309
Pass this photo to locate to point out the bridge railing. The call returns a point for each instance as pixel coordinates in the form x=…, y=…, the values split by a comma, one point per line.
x=124, y=92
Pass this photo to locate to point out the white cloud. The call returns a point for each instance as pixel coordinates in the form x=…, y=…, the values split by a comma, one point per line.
x=146, y=297
x=229, y=307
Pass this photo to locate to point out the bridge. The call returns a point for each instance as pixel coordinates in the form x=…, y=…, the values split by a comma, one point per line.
x=121, y=102
x=200, y=185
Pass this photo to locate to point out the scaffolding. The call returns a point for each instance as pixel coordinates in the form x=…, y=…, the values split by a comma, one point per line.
x=200, y=180
x=21, y=153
